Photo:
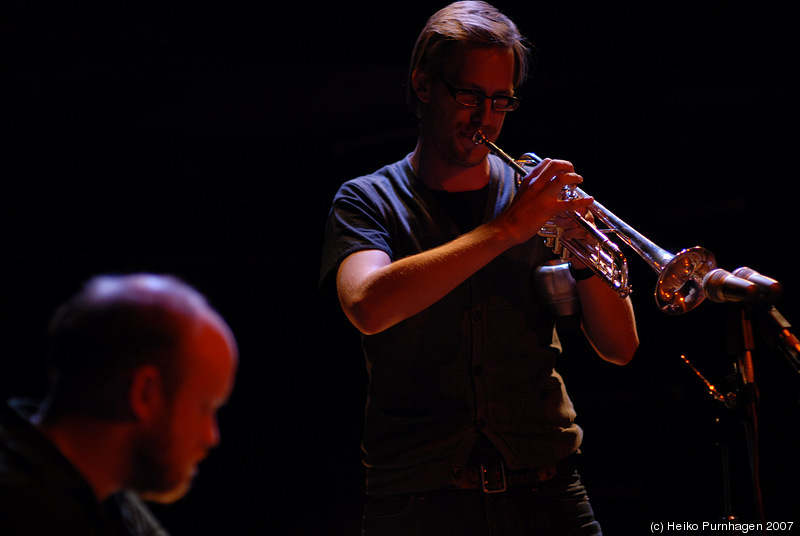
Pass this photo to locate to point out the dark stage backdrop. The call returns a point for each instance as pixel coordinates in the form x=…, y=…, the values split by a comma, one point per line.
x=207, y=139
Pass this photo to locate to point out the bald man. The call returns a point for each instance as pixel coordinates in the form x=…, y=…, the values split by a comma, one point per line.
x=139, y=365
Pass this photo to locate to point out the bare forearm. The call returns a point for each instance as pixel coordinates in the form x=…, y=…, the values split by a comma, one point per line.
x=608, y=321
x=389, y=292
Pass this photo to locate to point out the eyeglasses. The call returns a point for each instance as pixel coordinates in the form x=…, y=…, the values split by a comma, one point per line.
x=473, y=98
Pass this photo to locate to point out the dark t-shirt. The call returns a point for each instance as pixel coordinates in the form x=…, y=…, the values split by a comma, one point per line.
x=477, y=362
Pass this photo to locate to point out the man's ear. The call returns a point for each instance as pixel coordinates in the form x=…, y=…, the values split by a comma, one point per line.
x=421, y=82
x=146, y=393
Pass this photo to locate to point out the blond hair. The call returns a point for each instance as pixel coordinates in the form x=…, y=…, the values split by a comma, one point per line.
x=467, y=23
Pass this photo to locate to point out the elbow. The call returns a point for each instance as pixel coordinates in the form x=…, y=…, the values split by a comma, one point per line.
x=623, y=359
x=363, y=317
x=366, y=325
x=363, y=305
x=623, y=353
x=618, y=348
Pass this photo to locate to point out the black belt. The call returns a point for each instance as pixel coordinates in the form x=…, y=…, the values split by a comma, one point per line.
x=494, y=477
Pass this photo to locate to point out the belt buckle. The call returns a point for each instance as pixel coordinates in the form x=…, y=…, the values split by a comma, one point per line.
x=493, y=477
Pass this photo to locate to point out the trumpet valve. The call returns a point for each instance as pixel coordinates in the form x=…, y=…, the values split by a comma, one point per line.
x=551, y=233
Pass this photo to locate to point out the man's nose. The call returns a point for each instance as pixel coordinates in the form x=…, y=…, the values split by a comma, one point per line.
x=212, y=434
x=483, y=113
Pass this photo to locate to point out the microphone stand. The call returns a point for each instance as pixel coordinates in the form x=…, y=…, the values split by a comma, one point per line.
x=729, y=403
x=725, y=425
x=750, y=401
x=784, y=339
x=738, y=414
x=749, y=290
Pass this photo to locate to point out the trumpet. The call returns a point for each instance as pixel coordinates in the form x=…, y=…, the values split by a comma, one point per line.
x=680, y=287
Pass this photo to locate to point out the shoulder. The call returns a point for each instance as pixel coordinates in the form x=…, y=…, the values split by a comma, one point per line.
x=39, y=489
x=392, y=178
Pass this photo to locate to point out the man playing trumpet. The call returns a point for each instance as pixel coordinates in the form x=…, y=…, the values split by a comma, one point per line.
x=469, y=428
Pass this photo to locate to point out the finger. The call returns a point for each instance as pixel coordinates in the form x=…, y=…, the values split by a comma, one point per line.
x=535, y=174
x=570, y=226
x=564, y=220
x=579, y=205
x=565, y=179
x=551, y=172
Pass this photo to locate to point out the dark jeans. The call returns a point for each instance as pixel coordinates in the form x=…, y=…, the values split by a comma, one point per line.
x=560, y=507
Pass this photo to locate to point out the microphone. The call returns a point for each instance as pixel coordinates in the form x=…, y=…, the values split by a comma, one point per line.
x=722, y=286
x=556, y=289
x=768, y=288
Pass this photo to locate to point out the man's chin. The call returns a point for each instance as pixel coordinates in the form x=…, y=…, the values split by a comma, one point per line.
x=171, y=494
x=166, y=497
x=471, y=155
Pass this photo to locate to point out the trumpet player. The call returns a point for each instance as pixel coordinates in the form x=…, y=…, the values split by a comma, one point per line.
x=469, y=428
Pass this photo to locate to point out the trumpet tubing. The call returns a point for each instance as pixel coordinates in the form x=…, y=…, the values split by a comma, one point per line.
x=680, y=285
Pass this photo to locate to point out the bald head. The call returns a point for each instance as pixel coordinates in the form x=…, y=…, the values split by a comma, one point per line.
x=113, y=326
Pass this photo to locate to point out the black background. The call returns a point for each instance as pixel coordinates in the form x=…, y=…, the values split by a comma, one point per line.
x=207, y=139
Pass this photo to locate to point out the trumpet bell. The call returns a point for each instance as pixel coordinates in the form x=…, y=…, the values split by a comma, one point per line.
x=680, y=285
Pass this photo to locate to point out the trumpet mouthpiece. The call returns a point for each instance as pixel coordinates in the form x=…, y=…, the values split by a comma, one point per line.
x=479, y=138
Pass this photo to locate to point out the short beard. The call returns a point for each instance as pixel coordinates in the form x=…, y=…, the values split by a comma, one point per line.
x=153, y=476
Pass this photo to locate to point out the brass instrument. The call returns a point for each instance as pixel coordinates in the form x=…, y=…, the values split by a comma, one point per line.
x=680, y=287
